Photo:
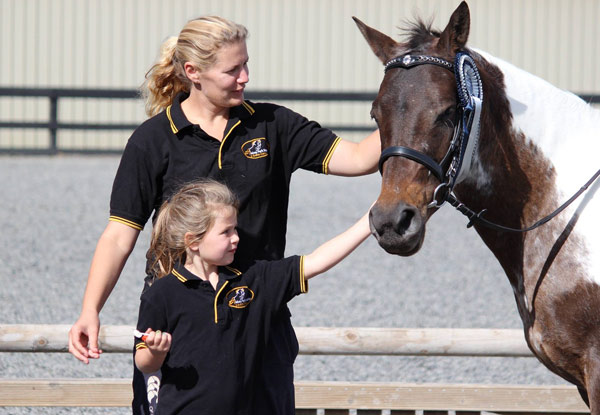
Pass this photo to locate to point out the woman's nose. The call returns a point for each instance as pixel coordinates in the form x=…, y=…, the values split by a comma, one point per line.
x=244, y=76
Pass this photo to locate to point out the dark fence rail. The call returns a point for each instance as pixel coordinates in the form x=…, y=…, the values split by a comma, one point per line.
x=53, y=124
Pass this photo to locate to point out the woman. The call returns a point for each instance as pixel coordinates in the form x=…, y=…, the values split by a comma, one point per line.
x=201, y=126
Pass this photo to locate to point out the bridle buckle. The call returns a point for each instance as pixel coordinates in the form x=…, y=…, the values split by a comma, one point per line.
x=440, y=196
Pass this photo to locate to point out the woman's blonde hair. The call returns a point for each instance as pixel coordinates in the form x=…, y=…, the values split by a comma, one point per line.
x=192, y=209
x=198, y=43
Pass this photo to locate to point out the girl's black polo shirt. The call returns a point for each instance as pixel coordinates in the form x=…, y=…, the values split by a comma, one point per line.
x=262, y=146
x=219, y=336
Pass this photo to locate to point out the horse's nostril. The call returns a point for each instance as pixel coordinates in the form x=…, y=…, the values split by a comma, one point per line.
x=404, y=221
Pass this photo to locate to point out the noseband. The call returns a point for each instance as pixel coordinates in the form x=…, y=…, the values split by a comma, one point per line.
x=466, y=133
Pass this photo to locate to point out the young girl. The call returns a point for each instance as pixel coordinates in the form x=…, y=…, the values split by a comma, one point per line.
x=207, y=324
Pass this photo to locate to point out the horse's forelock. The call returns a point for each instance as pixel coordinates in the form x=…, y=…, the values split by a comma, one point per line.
x=419, y=34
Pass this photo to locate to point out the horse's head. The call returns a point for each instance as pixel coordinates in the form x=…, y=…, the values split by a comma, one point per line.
x=416, y=108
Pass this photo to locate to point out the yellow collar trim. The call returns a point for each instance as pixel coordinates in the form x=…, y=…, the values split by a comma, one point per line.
x=248, y=107
x=223, y=142
x=216, y=298
x=179, y=276
x=173, y=128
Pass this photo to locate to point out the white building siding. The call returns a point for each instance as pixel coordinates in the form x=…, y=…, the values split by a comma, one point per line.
x=293, y=45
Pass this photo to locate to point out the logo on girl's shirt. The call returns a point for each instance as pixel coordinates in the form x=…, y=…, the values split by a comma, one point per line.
x=239, y=297
x=256, y=148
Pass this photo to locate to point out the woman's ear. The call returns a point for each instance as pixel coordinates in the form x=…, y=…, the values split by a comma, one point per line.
x=192, y=73
x=191, y=241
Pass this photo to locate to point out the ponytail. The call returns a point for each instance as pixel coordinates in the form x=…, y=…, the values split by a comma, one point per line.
x=164, y=80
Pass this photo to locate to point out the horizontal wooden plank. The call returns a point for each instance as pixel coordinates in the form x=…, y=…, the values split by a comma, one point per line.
x=313, y=340
x=66, y=392
x=457, y=397
x=412, y=342
x=320, y=395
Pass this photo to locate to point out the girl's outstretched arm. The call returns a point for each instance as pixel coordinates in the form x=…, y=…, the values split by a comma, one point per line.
x=335, y=250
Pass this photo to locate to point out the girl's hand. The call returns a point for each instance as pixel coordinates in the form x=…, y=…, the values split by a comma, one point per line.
x=157, y=341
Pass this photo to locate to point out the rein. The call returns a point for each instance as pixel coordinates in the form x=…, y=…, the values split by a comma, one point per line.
x=476, y=217
x=464, y=142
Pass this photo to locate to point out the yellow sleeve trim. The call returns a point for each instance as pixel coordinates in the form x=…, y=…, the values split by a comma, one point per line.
x=126, y=222
x=330, y=154
x=303, y=280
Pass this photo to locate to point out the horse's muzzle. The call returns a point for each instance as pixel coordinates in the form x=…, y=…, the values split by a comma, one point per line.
x=399, y=229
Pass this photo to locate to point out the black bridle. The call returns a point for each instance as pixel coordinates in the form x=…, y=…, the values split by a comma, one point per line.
x=468, y=87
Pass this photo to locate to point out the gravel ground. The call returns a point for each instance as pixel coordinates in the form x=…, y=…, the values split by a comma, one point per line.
x=54, y=209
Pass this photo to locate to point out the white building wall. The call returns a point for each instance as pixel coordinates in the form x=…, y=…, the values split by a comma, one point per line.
x=293, y=45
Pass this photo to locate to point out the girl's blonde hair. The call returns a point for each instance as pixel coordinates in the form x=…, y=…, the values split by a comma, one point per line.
x=198, y=43
x=192, y=209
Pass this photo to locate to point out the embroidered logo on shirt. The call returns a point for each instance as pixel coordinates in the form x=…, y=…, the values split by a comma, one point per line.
x=240, y=297
x=256, y=148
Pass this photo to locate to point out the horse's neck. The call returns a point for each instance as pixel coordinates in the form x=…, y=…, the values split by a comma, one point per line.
x=562, y=133
x=560, y=124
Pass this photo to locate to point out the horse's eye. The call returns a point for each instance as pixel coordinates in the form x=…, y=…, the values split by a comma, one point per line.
x=447, y=117
x=373, y=117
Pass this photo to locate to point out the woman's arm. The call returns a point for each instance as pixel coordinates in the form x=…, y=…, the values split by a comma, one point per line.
x=356, y=159
x=335, y=250
x=113, y=249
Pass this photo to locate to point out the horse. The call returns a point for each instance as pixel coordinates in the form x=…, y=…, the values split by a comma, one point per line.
x=505, y=148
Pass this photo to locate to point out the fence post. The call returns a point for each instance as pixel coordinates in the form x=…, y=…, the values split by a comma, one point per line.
x=53, y=121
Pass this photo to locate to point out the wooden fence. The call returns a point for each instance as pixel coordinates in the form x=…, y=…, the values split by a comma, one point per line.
x=54, y=123
x=330, y=398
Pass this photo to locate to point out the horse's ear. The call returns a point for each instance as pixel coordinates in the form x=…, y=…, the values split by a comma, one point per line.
x=382, y=45
x=455, y=35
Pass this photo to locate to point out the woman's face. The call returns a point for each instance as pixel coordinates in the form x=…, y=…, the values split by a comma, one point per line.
x=224, y=82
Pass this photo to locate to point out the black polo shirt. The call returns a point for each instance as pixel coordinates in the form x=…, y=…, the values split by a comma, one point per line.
x=262, y=146
x=219, y=336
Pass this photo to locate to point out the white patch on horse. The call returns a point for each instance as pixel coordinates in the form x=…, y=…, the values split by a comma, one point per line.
x=567, y=131
x=479, y=177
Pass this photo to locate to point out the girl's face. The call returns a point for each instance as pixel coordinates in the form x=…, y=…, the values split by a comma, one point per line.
x=224, y=82
x=219, y=243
